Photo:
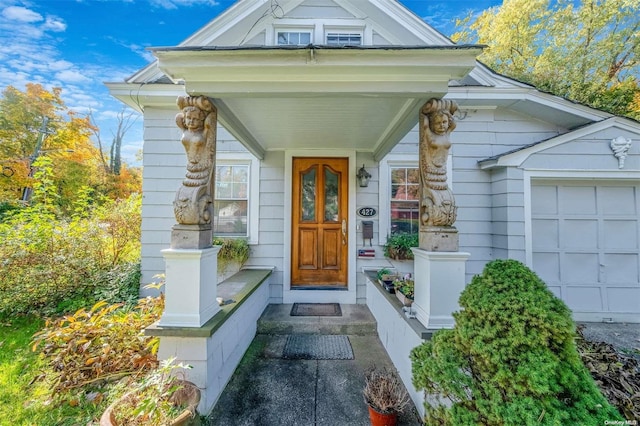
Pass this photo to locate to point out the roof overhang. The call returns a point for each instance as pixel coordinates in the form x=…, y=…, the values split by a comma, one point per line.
x=516, y=157
x=529, y=102
x=275, y=98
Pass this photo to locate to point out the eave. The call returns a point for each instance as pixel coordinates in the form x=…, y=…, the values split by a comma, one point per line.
x=274, y=98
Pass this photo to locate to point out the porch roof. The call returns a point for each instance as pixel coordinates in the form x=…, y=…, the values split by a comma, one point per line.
x=274, y=98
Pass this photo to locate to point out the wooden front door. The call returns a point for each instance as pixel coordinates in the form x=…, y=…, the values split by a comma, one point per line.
x=320, y=196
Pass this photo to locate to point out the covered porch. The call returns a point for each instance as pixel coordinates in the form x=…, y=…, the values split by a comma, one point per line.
x=319, y=113
x=289, y=103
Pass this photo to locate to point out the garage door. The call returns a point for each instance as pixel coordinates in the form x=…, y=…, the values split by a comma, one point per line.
x=585, y=240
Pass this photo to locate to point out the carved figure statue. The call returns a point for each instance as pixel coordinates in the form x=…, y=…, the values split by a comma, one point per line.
x=437, y=204
x=197, y=119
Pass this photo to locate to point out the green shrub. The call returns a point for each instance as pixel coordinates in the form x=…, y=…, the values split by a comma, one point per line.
x=511, y=358
x=50, y=264
x=120, y=284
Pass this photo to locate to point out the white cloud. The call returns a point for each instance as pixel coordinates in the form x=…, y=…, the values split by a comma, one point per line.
x=21, y=14
x=55, y=24
x=31, y=52
x=70, y=76
x=174, y=4
x=60, y=65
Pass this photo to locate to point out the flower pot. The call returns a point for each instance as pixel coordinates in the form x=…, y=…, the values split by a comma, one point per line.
x=189, y=395
x=382, y=419
x=403, y=299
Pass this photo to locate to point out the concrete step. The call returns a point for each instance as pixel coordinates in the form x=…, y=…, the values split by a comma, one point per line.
x=355, y=320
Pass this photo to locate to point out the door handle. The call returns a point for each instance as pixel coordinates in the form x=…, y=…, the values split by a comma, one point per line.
x=344, y=232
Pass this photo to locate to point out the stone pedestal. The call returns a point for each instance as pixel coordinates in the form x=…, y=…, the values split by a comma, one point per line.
x=439, y=280
x=439, y=238
x=190, y=286
x=191, y=236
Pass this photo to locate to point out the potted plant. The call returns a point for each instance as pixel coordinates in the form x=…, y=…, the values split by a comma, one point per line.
x=160, y=398
x=386, y=278
x=405, y=291
x=398, y=246
x=234, y=252
x=385, y=395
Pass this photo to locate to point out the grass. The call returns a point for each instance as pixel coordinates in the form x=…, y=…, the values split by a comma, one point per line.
x=25, y=398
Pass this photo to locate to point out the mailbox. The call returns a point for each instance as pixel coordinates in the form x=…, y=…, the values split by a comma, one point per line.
x=367, y=231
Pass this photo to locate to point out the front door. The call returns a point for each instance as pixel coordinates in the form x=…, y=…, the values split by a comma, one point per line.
x=320, y=196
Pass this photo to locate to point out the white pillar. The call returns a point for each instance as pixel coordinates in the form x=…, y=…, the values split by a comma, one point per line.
x=190, y=287
x=439, y=280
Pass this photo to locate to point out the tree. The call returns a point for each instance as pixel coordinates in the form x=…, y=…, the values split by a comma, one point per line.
x=125, y=121
x=36, y=123
x=587, y=52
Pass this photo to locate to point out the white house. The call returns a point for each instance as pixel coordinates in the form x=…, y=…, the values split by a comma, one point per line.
x=310, y=91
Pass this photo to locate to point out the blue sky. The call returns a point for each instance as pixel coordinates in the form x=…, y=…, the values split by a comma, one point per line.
x=79, y=44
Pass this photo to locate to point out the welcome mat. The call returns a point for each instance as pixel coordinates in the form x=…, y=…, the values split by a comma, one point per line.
x=316, y=310
x=320, y=347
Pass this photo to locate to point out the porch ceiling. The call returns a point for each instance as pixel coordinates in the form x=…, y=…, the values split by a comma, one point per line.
x=363, y=98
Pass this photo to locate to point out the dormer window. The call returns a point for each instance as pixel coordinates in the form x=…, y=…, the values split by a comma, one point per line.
x=293, y=38
x=344, y=39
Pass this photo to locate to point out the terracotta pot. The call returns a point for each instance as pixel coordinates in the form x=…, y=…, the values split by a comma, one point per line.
x=189, y=394
x=382, y=419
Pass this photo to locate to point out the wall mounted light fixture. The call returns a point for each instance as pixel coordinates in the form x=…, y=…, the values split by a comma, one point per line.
x=363, y=177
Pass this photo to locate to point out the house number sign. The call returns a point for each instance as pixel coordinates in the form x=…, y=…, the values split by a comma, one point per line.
x=367, y=212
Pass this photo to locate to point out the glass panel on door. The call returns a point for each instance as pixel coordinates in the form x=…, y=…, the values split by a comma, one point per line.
x=309, y=195
x=331, y=203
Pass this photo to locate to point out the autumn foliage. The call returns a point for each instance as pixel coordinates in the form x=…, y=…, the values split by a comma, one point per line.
x=100, y=344
x=585, y=51
x=35, y=124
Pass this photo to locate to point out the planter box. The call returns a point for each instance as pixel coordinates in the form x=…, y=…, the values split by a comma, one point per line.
x=404, y=299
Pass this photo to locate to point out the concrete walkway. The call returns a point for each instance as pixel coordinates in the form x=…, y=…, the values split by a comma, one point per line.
x=269, y=390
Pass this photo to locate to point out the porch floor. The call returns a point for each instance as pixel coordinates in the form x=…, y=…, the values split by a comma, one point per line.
x=267, y=389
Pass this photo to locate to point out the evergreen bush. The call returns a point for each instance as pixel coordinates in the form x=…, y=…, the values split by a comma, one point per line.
x=511, y=358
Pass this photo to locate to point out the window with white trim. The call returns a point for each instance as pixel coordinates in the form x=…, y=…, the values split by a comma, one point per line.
x=344, y=39
x=231, y=206
x=293, y=38
x=399, y=194
x=236, y=204
x=404, y=208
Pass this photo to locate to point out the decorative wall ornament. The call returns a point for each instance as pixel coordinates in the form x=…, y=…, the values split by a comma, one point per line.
x=620, y=147
x=194, y=199
x=437, y=204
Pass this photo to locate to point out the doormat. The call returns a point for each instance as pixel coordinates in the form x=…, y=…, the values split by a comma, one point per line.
x=320, y=347
x=316, y=310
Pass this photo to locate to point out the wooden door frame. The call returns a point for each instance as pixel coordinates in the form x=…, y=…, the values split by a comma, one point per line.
x=290, y=295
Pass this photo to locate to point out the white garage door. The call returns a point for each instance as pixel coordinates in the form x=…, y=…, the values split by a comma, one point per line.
x=585, y=239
